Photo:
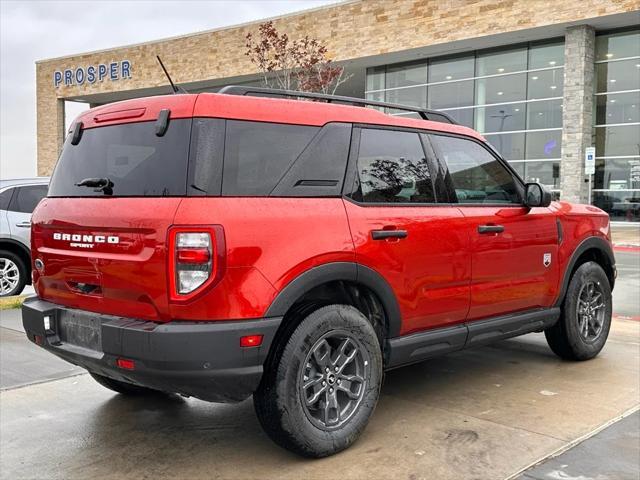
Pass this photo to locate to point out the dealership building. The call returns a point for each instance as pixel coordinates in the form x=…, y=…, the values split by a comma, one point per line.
x=544, y=81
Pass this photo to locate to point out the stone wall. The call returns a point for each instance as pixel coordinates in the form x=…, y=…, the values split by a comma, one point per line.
x=350, y=30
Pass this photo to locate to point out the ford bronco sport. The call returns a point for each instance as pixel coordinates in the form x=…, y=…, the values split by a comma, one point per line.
x=293, y=247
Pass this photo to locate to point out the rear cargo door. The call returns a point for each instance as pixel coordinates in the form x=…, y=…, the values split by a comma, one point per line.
x=101, y=233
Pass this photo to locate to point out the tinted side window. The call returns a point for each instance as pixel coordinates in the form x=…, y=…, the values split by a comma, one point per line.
x=477, y=176
x=257, y=155
x=5, y=198
x=26, y=198
x=392, y=168
x=319, y=171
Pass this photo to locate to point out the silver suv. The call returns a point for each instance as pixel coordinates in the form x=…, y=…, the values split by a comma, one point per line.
x=18, y=198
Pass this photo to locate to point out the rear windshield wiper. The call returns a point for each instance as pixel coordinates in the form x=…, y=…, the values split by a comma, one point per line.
x=103, y=185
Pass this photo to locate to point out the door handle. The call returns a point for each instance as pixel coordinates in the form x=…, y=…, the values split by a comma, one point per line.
x=490, y=229
x=23, y=224
x=387, y=234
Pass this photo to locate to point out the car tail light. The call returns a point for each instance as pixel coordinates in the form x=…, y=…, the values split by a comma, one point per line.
x=125, y=364
x=196, y=259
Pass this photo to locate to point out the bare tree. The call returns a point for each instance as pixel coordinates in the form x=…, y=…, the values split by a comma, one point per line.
x=293, y=64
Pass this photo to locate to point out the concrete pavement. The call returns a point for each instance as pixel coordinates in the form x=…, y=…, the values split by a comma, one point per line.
x=485, y=413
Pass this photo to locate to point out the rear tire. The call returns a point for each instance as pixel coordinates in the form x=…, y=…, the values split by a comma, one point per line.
x=123, y=387
x=584, y=323
x=13, y=274
x=319, y=391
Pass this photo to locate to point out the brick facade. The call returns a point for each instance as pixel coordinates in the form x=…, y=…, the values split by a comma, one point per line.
x=350, y=30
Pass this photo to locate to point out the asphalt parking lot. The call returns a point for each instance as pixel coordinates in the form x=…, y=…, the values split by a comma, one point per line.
x=488, y=413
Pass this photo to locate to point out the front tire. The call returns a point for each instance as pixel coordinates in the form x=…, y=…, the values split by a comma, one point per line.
x=319, y=391
x=13, y=274
x=584, y=324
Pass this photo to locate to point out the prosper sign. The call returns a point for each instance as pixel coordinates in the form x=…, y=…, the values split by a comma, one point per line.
x=113, y=71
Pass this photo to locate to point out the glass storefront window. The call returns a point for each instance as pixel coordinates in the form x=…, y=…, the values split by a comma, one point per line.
x=545, y=84
x=618, y=76
x=495, y=63
x=501, y=118
x=618, y=45
x=375, y=78
x=618, y=140
x=544, y=144
x=617, y=173
x=464, y=116
x=451, y=69
x=450, y=95
x=618, y=108
x=519, y=168
x=546, y=173
x=546, y=55
x=415, y=96
x=507, y=88
x=546, y=114
x=621, y=205
x=510, y=145
x=406, y=75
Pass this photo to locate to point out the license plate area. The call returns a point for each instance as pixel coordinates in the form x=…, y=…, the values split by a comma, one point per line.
x=80, y=329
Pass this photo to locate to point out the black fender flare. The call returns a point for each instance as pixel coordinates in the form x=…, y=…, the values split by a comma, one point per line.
x=335, y=271
x=587, y=244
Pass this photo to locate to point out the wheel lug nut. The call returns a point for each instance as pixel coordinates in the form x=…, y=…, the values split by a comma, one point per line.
x=331, y=390
x=338, y=381
x=336, y=369
x=324, y=383
x=326, y=369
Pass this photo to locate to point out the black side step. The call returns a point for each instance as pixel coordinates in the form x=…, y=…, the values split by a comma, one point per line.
x=431, y=343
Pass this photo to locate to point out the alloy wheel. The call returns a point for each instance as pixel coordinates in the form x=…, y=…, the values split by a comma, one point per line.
x=9, y=276
x=333, y=380
x=590, y=311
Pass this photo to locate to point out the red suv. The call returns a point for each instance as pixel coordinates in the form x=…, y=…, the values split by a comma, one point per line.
x=294, y=248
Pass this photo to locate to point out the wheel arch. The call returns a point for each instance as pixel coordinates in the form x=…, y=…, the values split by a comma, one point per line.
x=336, y=282
x=593, y=249
x=21, y=251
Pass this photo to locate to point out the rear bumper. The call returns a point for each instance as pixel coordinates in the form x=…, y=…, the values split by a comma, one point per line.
x=199, y=359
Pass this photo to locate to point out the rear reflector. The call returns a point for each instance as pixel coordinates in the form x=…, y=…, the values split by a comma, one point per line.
x=193, y=255
x=251, y=341
x=125, y=364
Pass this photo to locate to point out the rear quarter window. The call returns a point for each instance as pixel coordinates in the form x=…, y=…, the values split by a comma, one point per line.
x=26, y=198
x=258, y=154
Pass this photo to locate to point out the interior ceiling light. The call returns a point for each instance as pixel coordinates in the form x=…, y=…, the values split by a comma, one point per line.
x=501, y=70
x=552, y=62
x=500, y=93
x=534, y=78
x=609, y=55
x=448, y=77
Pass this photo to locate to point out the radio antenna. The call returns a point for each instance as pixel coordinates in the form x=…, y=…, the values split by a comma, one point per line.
x=176, y=89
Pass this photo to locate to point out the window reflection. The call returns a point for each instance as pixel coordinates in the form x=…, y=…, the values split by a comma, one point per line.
x=620, y=205
x=618, y=45
x=500, y=89
x=618, y=76
x=545, y=144
x=618, y=140
x=451, y=69
x=545, y=84
x=501, y=62
x=618, y=108
x=547, y=114
x=406, y=75
x=546, y=173
x=510, y=146
x=501, y=118
x=546, y=55
x=448, y=95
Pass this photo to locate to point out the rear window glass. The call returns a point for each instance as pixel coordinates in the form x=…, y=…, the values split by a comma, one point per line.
x=257, y=155
x=131, y=156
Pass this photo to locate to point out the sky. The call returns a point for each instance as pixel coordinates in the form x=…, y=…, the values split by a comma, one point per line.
x=36, y=30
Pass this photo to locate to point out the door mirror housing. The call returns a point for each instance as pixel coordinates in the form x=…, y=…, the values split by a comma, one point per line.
x=536, y=195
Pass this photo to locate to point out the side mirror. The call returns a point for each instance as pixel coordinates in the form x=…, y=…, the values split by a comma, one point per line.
x=536, y=195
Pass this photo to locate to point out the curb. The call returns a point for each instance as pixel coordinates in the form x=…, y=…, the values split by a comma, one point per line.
x=625, y=247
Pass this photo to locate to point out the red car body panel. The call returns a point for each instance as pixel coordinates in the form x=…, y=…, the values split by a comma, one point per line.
x=444, y=273
x=429, y=271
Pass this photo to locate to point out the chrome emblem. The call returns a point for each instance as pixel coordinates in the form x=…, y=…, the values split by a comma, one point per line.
x=546, y=259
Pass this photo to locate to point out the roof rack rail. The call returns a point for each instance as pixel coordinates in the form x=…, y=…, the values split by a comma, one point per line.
x=425, y=114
